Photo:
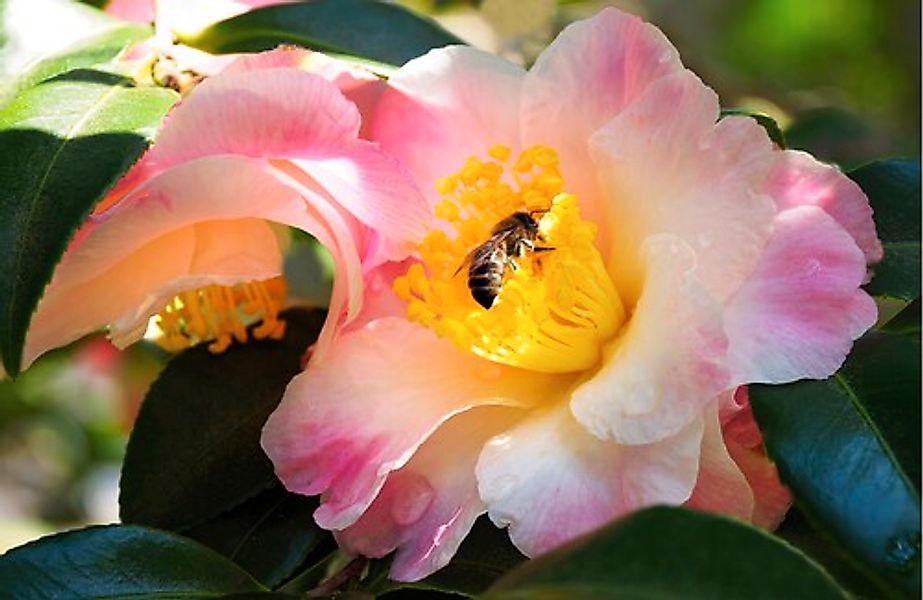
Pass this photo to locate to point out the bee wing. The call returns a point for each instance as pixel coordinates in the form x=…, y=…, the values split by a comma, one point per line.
x=489, y=246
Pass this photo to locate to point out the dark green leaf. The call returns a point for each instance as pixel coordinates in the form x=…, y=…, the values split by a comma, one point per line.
x=269, y=535
x=670, y=553
x=93, y=51
x=893, y=188
x=379, y=31
x=195, y=445
x=798, y=531
x=766, y=122
x=118, y=561
x=849, y=446
x=63, y=144
x=906, y=321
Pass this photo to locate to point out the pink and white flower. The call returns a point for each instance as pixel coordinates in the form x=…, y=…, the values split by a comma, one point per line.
x=263, y=143
x=689, y=258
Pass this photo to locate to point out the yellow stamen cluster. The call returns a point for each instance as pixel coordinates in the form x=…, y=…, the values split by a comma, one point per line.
x=555, y=308
x=221, y=313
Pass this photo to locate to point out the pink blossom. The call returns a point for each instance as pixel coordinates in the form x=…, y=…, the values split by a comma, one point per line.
x=689, y=257
x=263, y=143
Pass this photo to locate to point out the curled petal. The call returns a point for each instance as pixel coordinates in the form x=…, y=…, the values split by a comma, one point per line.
x=799, y=312
x=550, y=481
x=721, y=486
x=363, y=409
x=428, y=506
x=179, y=231
x=745, y=446
x=799, y=180
x=664, y=369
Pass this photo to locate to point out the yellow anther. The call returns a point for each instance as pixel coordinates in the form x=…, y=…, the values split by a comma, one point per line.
x=555, y=311
x=499, y=152
x=220, y=314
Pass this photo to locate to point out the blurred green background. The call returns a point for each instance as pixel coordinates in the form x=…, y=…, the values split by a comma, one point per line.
x=842, y=77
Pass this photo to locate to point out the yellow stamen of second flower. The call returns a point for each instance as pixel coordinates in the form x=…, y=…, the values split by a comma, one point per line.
x=220, y=314
x=555, y=308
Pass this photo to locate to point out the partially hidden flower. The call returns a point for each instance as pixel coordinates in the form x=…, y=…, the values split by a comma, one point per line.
x=674, y=258
x=194, y=234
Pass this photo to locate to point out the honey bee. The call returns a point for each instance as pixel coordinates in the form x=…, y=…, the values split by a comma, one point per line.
x=512, y=237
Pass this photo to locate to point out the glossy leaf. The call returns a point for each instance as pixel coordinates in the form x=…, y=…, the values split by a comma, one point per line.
x=63, y=144
x=32, y=30
x=269, y=535
x=92, y=51
x=362, y=28
x=670, y=553
x=893, y=188
x=906, y=321
x=765, y=121
x=118, y=561
x=848, y=447
x=194, y=451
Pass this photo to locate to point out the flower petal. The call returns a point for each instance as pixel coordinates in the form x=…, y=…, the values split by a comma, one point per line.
x=445, y=106
x=588, y=75
x=667, y=365
x=745, y=445
x=550, y=480
x=667, y=167
x=799, y=312
x=182, y=230
x=287, y=113
x=800, y=180
x=363, y=409
x=720, y=487
x=428, y=506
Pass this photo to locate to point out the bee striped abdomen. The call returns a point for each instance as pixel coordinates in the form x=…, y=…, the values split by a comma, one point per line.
x=485, y=276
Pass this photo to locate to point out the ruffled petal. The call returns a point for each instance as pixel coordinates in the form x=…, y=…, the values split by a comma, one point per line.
x=182, y=230
x=427, y=507
x=445, y=106
x=668, y=364
x=800, y=180
x=720, y=487
x=550, y=481
x=363, y=409
x=667, y=167
x=799, y=312
x=588, y=75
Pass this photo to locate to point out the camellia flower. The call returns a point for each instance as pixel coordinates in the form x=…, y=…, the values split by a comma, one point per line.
x=191, y=234
x=663, y=259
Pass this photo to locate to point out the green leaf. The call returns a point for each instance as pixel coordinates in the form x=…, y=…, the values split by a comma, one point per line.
x=31, y=30
x=798, y=531
x=378, y=31
x=848, y=447
x=269, y=535
x=93, y=51
x=670, y=553
x=765, y=121
x=63, y=144
x=906, y=321
x=893, y=188
x=118, y=561
x=195, y=449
